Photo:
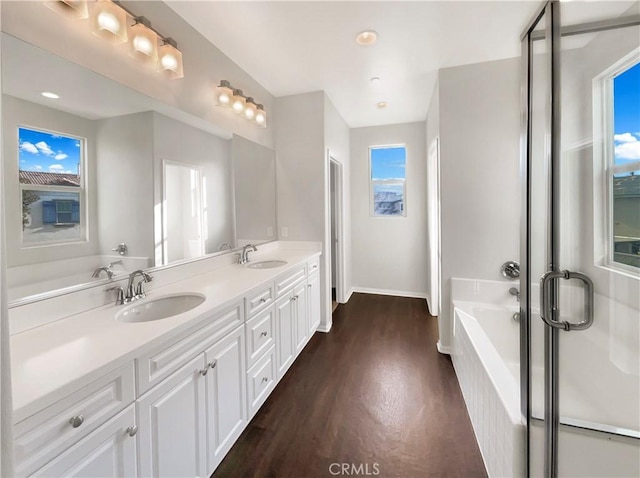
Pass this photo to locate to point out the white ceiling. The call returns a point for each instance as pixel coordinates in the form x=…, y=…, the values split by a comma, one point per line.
x=298, y=47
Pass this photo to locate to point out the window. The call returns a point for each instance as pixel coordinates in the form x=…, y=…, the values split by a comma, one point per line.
x=51, y=186
x=623, y=168
x=388, y=180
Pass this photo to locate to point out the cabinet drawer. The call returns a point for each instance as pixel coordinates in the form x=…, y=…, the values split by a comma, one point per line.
x=259, y=300
x=261, y=378
x=313, y=265
x=259, y=332
x=46, y=434
x=158, y=364
x=284, y=283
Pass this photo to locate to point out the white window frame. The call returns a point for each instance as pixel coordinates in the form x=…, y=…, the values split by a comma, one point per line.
x=81, y=191
x=604, y=165
x=403, y=182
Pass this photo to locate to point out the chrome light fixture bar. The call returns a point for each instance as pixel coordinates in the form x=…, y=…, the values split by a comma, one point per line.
x=245, y=106
x=109, y=20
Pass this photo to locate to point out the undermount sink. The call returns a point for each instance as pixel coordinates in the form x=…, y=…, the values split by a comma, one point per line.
x=266, y=264
x=160, y=308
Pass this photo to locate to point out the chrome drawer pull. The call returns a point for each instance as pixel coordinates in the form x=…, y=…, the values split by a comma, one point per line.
x=212, y=364
x=265, y=379
x=77, y=421
x=263, y=300
x=131, y=431
x=204, y=370
x=263, y=334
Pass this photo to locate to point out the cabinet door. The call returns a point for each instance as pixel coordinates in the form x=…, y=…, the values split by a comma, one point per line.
x=225, y=395
x=108, y=451
x=313, y=300
x=171, y=418
x=284, y=334
x=300, y=312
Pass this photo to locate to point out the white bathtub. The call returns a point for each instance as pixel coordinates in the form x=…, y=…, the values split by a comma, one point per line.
x=599, y=384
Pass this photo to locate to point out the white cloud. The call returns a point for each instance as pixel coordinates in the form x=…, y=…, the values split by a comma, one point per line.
x=629, y=150
x=44, y=148
x=77, y=144
x=28, y=147
x=625, y=138
x=60, y=156
x=35, y=167
x=58, y=168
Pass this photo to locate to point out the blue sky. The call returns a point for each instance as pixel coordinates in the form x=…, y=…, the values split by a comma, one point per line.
x=47, y=152
x=626, y=115
x=388, y=163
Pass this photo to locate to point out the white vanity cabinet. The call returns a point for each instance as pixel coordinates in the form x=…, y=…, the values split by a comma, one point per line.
x=108, y=451
x=313, y=297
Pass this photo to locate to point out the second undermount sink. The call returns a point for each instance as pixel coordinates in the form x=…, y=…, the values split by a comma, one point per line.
x=266, y=264
x=160, y=308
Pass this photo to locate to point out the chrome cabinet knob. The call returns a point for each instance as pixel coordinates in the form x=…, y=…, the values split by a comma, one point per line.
x=263, y=334
x=204, y=370
x=132, y=430
x=212, y=364
x=263, y=300
x=265, y=379
x=76, y=421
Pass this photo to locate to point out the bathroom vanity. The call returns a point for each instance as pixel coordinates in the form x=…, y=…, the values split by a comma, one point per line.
x=97, y=396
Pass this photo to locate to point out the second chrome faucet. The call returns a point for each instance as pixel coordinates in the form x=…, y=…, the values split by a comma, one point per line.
x=133, y=292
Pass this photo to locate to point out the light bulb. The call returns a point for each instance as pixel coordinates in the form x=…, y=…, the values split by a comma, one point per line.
x=143, y=43
x=250, y=109
x=261, y=116
x=237, y=102
x=224, y=93
x=109, y=21
x=170, y=62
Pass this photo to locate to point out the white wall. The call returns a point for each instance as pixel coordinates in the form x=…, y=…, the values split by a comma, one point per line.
x=337, y=142
x=433, y=202
x=124, y=149
x=204, y=64
x=479, y=174
x=15, y=113
x=389, y=254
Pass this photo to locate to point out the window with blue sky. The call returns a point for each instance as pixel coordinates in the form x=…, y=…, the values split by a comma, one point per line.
x=44, y=152
x=388, y=180
x=625, y=170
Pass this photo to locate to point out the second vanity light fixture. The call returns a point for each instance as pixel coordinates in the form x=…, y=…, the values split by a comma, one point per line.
x=228, y=96
x=116, y=24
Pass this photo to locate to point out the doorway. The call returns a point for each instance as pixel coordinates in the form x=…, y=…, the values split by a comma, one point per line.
x=336, y=249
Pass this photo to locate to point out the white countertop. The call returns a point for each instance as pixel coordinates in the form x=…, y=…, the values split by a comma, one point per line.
x=53, y=360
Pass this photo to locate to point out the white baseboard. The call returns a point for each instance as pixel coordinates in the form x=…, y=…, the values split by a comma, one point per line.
x=444, y=349
x=349, y=294
x=324, y=328
x=395, y=293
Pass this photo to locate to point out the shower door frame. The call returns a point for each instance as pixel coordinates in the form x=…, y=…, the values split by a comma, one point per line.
x=550, y=10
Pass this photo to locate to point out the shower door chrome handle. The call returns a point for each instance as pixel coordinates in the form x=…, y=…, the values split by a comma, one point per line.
x=546, y=290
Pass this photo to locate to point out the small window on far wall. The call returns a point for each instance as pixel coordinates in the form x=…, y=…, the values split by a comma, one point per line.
x=388, y=180
x=624, y=169
x=51, y=186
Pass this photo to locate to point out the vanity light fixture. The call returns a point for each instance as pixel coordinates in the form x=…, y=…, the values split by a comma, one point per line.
x=70, y=8
x=245, y=106
x=109, y=21
x=224, y=93
x=237, y=102
x=367, y=37
x=170, y=59
x=261, y=116
x=50, y=95
x=114, y=22
x=143, y=41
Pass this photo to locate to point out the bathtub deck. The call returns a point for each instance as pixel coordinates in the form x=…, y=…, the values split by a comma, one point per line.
x=372, y=391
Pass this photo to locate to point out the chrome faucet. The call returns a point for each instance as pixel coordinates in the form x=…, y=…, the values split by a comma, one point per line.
x=244, y=255
x=516, y=292
x=135, y=293
x=107, y=270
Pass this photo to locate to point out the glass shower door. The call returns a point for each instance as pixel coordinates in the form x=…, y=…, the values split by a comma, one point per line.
x=581, y=281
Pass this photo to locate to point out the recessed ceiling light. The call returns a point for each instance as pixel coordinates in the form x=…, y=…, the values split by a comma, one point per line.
x=375, y=80
x=382, y=105
x=48, y=94
x=367, y=37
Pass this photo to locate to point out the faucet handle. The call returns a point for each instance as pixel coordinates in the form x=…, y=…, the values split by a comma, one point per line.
x=120, y=298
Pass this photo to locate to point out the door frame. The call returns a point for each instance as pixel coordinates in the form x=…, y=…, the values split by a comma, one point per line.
x=341, y=296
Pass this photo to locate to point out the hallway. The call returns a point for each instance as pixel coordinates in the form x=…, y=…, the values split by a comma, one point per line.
x=371, y=398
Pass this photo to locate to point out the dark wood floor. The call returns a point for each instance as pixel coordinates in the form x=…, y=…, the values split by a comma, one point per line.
x=374, y=392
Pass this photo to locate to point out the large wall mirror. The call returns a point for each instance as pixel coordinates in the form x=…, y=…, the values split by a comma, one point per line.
x=103, y=180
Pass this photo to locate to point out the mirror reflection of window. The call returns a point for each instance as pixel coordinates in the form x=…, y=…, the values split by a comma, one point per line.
x=51, y=184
